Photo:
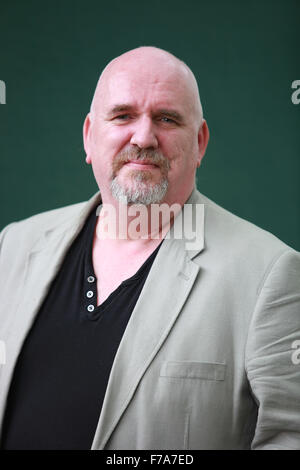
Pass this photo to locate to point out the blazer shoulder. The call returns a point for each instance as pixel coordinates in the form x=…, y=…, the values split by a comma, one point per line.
x=236, y=234
x=31, y=228
x=46, y=219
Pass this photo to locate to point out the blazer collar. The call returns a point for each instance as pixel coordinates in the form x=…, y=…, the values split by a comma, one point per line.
x=72, y=224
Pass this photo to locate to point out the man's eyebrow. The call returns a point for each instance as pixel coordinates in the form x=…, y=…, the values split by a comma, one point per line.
x=170, y=113
x=119, y=108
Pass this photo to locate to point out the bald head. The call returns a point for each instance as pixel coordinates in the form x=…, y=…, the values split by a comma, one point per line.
x=149, y=60
x=146, y=108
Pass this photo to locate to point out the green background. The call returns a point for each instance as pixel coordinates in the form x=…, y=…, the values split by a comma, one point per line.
x=245, y=56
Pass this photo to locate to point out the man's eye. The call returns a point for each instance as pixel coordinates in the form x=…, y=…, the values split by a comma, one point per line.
x=167, y=120
x=122, y=117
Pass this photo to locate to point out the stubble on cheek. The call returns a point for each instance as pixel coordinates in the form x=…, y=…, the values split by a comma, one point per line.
x=118, y=162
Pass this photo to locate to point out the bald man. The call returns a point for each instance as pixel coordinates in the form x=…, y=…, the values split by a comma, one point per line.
x=124, y=330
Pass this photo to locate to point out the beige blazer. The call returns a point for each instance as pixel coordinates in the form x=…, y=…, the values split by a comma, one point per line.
x=208, y=359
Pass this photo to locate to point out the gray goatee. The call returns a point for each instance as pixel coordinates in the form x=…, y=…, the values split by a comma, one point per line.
x=140, y=190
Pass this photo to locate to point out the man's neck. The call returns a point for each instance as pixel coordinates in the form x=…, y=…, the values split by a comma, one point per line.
x=136, y=224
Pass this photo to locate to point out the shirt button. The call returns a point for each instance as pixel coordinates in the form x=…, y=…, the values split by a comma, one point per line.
x=90, y=279
x=89, y=294
x=90, y=308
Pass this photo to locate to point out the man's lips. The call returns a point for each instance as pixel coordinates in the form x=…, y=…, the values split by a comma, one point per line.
x=141, y=164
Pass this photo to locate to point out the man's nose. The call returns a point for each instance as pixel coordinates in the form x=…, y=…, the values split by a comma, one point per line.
x=144, y=134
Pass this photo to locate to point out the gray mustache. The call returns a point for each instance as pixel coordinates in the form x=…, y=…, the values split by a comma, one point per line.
x=152, y=156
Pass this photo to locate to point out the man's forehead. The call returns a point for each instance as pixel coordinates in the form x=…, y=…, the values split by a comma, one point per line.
x=132, y=77
x=145, y=59
x=147, y=75
x=139, y=87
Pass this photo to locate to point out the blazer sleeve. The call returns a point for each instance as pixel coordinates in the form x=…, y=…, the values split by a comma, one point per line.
x=272, y=358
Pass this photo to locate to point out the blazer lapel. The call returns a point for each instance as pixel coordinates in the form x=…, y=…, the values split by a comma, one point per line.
x=43, y=263
x=157, y=308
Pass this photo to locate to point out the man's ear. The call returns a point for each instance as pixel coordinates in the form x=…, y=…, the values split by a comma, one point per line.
x=87, y=138
x=203, y=138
